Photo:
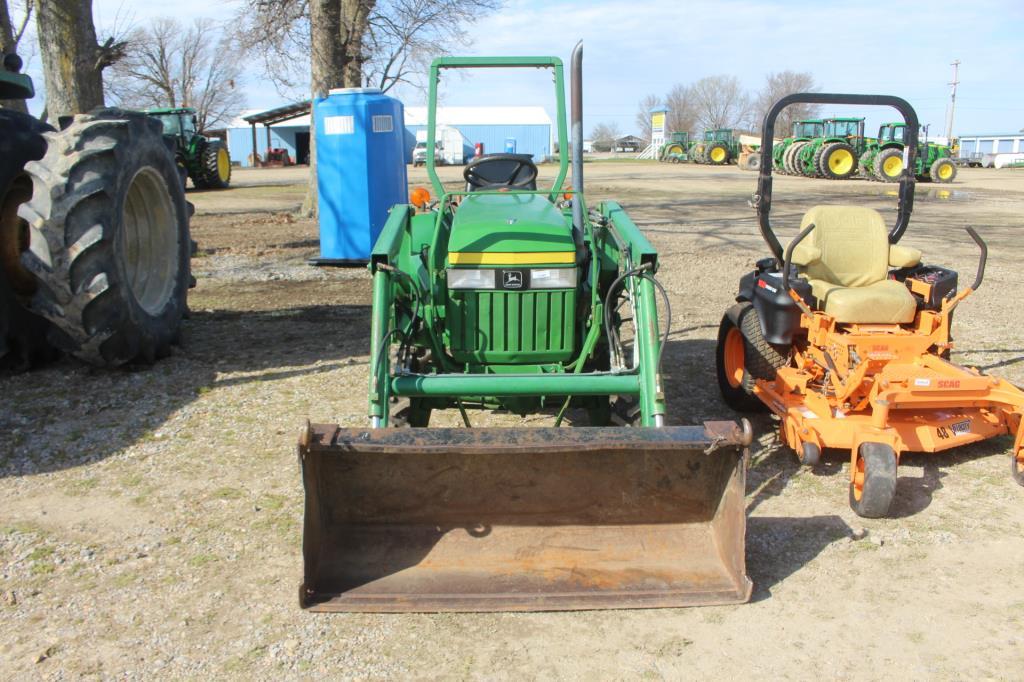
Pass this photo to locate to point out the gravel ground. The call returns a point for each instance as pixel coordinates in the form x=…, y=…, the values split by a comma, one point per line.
x=151, y=517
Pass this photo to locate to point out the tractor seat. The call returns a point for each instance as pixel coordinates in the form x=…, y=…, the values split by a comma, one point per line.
x=846, y=260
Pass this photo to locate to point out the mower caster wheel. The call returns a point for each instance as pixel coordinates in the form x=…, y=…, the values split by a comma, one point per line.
x=810, y=454
x=874, y=480
x=1017, y=468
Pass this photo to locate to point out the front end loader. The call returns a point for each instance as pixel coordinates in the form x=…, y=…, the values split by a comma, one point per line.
x=845, y=337
x=503, y=297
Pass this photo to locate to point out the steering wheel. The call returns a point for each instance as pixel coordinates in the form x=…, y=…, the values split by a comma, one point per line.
x=501, y=171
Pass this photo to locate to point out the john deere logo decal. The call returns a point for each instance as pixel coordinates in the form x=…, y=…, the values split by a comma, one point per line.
x=513, y=279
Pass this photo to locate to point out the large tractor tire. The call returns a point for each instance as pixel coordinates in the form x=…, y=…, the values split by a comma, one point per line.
x=789, y=159
x=943, y=170
x=717, y=154
x=22, y=334
x=889, y=164
x=837, y=161
x=109, y=239
x=214, y=165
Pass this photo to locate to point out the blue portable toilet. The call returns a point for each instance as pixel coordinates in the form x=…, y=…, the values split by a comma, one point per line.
x=360, y=169
x=510, y=145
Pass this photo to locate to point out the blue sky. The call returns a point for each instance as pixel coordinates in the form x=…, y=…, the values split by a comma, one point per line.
x=632, y=49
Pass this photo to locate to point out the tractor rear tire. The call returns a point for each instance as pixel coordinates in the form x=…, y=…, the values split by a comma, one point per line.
x=215, y=165
x=109, y=243
x=752, y=162
x=874, y=484
x=717, y=154
x=837, y=161
x=865, y=166
x=889, y=165
x=943, y=170
x=22, y=334
x=788, y=158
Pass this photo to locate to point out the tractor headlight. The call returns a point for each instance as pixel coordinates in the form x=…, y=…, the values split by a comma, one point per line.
x=512, y=278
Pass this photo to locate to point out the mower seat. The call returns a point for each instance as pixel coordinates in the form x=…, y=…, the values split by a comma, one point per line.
x=846, y=260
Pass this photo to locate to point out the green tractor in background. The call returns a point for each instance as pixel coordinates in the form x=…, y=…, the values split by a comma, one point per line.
x=834, y=154
x=205, y=160
x=675, y=148
x=717, y=147
x=803, y=131
x=883, y=159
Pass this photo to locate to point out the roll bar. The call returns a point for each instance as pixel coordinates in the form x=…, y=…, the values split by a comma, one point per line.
x=763, y=198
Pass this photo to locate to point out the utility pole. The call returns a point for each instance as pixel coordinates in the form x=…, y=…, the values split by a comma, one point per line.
x=952, y=99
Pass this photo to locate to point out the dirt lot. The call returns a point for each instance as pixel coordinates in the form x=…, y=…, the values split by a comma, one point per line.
x=150, y=522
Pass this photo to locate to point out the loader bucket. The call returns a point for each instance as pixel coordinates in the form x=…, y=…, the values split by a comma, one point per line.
x=523, y=519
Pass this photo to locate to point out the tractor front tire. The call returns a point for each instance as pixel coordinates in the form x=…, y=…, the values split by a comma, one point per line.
x=215, y=165
x=874, y=480
x=22, y=334
x=109, y=243
x=789, y=158
x=752, y=162
x=837, y=161
x=943, y=170
x=889, y=164
x=866, y=166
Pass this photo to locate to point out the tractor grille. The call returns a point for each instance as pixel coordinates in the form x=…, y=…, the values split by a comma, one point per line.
x=511, y=327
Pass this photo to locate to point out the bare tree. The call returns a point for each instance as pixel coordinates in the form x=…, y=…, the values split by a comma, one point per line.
x=11, y=33
x=171, y=65
x=719, y=102
x=777, y=86
x=681, y=114
x=73, y=61
x=643, y=115
x=604, y=136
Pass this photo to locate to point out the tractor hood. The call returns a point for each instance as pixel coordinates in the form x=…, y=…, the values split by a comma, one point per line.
x=488, y=224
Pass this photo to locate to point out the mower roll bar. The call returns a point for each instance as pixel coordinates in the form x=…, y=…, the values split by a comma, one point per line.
x=978, y=278
x=763, y=197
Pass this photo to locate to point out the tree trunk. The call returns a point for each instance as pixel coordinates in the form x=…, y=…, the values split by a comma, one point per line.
x=7, y=46
x=71, y=57
x=337, y=28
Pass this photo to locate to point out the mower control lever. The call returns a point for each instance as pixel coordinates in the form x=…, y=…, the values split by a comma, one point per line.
x=984, y=257
x=788, y=263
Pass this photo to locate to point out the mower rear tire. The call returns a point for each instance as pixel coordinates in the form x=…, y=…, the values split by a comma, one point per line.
x=215, y=165
x=837, y=161
x=1017, y=467
x=717, y=154
x=741, y=361
x=943, y=170
x=889, y=165
x=109, y=239
x=874, y=480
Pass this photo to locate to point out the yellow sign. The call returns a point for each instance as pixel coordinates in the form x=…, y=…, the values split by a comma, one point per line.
x=658, y=121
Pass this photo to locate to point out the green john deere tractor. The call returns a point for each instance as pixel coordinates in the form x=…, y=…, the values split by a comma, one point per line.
x=502, y=297
x=883, y=159
x=834, y=153
x=675, y=148
x=803, y=131
x=205, y=160
x=94, y=235
x=717, y=147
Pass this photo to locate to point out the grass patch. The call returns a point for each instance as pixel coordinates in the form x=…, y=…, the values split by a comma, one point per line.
x=200, y=560
x=228, y=493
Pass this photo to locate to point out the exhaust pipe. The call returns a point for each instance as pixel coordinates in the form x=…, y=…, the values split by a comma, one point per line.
x=576, y=104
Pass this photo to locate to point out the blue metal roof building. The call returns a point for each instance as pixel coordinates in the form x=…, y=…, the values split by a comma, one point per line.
x=529, y=129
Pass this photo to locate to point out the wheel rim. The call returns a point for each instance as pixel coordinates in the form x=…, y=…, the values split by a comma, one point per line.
x=149, y=241
x=675, y=150
x=717, y=154
x=840, y=161
x=733, y=357
x=892, y=166
x=14, y=237
x=945, y=171
x=859, y=475
x=223, y=164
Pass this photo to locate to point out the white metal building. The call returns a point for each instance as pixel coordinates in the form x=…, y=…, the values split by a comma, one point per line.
x=987, y=150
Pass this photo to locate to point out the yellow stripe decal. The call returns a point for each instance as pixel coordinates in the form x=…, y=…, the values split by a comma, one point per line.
x=521, y=258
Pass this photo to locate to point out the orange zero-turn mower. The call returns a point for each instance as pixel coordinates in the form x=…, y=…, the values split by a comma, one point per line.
x=846, y=337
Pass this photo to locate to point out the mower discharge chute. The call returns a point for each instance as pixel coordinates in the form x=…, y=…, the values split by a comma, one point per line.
x=846, y=337
x=505, y=297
